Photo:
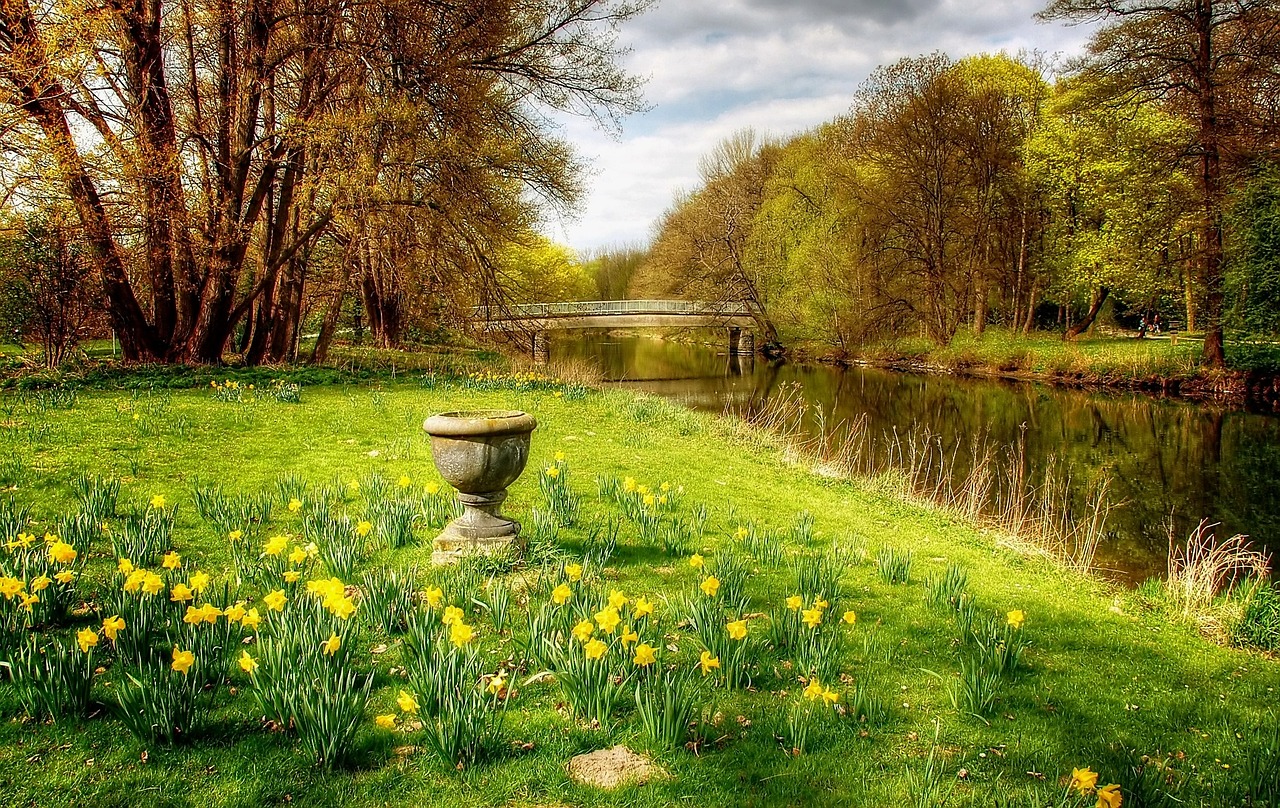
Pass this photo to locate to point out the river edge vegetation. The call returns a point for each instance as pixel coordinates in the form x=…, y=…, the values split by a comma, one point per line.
x=959, y=669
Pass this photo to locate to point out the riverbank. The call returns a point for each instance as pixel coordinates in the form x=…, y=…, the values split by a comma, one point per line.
x=1166, y=365
x=1105, y=681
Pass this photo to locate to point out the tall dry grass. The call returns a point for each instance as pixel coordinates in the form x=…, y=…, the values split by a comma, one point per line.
x=1204, y=568
x=995, y=490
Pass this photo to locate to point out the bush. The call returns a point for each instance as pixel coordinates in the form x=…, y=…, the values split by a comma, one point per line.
x=1259, y=626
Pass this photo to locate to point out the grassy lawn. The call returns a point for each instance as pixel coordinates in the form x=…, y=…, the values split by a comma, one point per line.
x=1102, y=683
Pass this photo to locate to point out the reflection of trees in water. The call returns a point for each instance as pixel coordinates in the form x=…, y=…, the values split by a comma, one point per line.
x=1166, y=460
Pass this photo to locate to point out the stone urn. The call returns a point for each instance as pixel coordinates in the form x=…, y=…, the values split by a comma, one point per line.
x=480, y=454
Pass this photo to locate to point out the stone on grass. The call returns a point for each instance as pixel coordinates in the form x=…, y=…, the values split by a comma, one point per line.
x=610, y=768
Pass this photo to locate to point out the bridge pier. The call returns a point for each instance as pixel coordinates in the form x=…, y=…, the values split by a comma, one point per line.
x=541, y=348
x=741, y=342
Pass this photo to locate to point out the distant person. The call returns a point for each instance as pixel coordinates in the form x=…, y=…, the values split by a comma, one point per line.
x=1155, y=324
x=1142, y=327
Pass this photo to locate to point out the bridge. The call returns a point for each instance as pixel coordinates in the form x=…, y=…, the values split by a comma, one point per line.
x=538, y=318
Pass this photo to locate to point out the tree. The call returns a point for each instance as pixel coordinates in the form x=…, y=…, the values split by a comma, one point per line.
x=1116, y=216
x=226, y=137
x=48, y=284
x=1212, y=62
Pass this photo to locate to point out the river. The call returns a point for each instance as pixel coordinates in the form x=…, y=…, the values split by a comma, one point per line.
x=1168, y=463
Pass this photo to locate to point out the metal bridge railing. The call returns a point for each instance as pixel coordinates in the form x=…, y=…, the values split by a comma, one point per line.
x=604, y=308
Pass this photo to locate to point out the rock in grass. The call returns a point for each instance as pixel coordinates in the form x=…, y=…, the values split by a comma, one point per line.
x=610, y=768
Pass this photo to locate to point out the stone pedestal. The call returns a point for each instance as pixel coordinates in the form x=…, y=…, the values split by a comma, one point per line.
x=479, y=454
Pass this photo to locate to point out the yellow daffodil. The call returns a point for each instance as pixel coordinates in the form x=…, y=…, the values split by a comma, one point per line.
x=1016, y=618
x=710, y=586
x=830, y=696
x=157, y=501
x=235, y=613
x=649, y=500
x=133, y=582
x=812, y=617
x=1084, y=780
x=641, y=608
x=87, y=638
x=51, y=539
x=364, y=527
x=850, y=617
x=559, y=457
x=124, y=566
x=665, y=487
x=112, y=626
x=210, y=613
x=62, y=553
x=737, y=630
x=194, y=616
x=496, y=685
x=295, y=505
x=696, y=561
x=707, y=662
x=341, y=607
x=434, y=596
x=813, y=691
x=235, y=536
x=331, y=645
x=644, y=655
x=386, y=721
x=1109, y=796
x=40, y=584
x=181, y=593
x=573, y=572
x=583, y=631
x=642, y=490
x=821, y=603
x=406, y=702
x=460, y=634
x=172, y=561
x=629, y=636
x=198, y=581
x=616, y=599
x=291, y=576
x=275, y=600
x=404, y=481
x=247, y=663
x=607, y=619
x=10, y=587
x=432, y=488
x=595, y=649
x=552, y=472
x=452, y=614
x=629, y=484
x=297, y=555
x=794, y=602
x=152, y=584
x=182, y=660
x=561, y=594
x=29, y=601
x=65, y=577
x=275, y=545
x=251, y=619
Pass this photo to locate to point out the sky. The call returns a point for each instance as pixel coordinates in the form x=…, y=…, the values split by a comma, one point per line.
x=780, y=67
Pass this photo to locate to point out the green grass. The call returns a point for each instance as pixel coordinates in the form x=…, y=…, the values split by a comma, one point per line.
x=1102, y=684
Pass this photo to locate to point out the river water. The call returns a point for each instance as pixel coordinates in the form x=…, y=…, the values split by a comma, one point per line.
x=1168, y=463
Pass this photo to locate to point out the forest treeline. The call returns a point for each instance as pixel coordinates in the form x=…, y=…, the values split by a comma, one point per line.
x=204, y=176
x=992, y=190
x=214, y=175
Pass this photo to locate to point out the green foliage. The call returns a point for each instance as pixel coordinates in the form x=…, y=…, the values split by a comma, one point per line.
x=894, y=565
x=1259, y=625
x=54, y=680
x=1253, y=275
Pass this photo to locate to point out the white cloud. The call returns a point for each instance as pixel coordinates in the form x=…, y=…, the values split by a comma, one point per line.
x=716, y=66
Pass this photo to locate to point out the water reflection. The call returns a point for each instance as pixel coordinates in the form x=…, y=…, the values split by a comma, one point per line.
x=1170, y=462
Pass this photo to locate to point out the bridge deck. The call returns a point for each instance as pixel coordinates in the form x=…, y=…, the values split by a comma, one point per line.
x=616, y=314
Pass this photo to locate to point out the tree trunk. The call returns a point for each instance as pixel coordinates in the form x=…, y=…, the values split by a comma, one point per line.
x=1099, y=297
x=1211, y=252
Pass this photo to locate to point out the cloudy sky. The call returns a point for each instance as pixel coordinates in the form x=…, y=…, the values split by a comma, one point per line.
x=778, y=66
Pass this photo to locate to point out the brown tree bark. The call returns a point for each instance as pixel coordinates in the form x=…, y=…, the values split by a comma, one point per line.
x=1099, y=297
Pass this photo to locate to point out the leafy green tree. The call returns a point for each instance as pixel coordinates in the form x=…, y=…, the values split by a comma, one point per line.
x=1253, y=278
x=1210, y=62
